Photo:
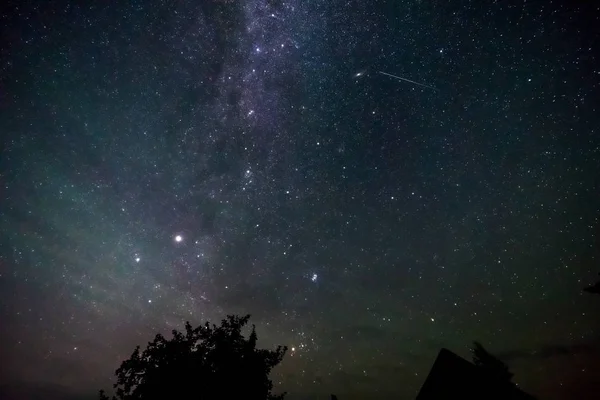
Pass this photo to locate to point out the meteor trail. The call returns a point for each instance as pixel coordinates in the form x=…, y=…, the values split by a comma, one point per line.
x=407, y=80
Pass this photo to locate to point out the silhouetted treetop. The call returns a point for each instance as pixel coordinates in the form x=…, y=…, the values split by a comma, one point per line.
x=595, y=288
x=206, y=362
x=483, y=359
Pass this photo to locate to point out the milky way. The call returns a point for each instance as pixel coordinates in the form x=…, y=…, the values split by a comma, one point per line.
x=172, y=161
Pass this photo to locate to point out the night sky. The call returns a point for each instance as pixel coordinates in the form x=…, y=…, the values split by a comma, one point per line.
x=164, y=161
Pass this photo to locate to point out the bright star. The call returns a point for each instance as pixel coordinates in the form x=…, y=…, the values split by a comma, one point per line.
x=137, y=259
x=178, y=238
x=314, y=277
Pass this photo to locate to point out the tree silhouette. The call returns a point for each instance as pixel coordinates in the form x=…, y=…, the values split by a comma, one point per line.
x=207, y=362
x=483, y=359
x=595, y=289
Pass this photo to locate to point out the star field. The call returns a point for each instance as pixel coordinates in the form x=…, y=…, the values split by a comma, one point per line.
x=372, y=181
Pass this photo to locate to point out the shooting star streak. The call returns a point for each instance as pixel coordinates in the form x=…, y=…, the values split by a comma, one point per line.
x=407, y=80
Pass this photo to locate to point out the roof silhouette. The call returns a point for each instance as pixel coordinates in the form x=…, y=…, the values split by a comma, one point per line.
x=453, y=377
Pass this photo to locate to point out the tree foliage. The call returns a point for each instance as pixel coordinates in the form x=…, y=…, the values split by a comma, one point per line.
x=206, y=362
x=483, y=359
x=594, y=289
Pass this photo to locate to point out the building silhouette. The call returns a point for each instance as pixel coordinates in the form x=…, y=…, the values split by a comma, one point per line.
x=453, y=377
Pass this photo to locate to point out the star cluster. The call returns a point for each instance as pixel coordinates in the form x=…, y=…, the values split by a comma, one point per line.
x=370, y=180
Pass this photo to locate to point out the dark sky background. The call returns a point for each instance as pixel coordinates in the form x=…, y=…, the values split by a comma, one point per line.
x=164, y=161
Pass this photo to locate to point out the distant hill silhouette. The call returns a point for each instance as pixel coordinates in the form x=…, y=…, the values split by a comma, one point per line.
x=39, y=391
x=453, y=377
x=595, y=288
